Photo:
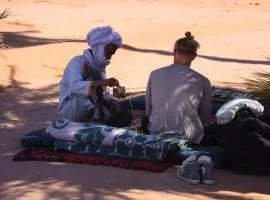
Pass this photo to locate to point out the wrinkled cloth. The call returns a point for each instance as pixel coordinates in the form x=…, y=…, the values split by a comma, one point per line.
x=227, y=112
x=75, y=101
x=104, y=135
x=98, y=39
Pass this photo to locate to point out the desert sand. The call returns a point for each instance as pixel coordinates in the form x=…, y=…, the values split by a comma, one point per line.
x=43, y=35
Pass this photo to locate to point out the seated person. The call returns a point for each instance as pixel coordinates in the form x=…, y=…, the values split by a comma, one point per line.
x=82, y=98
x=179, y=99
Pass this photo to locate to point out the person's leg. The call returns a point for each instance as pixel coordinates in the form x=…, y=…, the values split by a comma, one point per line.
x=184, y=153
x=76, y=109
x=135, y=103
x=121, y=119
x=144, y=124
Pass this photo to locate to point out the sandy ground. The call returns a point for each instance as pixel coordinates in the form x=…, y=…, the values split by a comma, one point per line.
x=44, y=34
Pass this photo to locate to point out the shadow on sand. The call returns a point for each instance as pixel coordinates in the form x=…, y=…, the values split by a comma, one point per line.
x=23, y=109
x=21, y=39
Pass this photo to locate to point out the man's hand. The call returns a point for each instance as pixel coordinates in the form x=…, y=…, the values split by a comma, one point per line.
x=111, y=82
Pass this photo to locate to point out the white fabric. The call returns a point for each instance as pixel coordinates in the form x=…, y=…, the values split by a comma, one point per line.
x=72, y=82
x=110, y=135
x=66, y=130
x=74, y=90
x=98, y=39
x=74, y=103
x=228, y=111
x=92, y=62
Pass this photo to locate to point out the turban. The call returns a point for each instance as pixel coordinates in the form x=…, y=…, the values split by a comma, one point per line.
x=98, y=39
x=104, y=36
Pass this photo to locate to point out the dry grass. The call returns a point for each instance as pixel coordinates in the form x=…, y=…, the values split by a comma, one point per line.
x=2, y=45
x=259, y=88
x=4, y=14
x=1, y=41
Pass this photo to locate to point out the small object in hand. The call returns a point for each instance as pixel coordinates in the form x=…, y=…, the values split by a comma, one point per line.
x=119, y=92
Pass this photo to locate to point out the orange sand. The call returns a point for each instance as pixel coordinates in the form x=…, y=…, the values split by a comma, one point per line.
x=44, y=35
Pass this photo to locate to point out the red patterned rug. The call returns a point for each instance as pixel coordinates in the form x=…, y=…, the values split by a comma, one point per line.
x=51, y=155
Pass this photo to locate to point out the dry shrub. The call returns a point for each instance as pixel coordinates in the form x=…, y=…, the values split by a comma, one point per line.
x=259, y=88
x=4, y=14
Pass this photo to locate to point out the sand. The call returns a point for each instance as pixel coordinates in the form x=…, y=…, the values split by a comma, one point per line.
x=43, y=35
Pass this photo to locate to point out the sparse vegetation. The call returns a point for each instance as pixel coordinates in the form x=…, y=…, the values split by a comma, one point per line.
x=4, y=14
x=259, y=88
x=2, y=46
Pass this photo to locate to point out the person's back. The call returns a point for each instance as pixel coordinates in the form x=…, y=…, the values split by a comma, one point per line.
x=178, y=100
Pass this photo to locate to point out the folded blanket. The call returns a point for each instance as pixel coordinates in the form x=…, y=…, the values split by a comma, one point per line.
x=41, y=138
x=38, y=138
x=136, y=154
x=103, y=135
x=65, y=130
x=123, y=138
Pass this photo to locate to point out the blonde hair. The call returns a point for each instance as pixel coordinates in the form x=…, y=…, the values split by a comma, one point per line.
x=187, y=44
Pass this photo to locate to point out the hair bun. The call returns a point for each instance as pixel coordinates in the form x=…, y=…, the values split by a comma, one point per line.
x=189, y=36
